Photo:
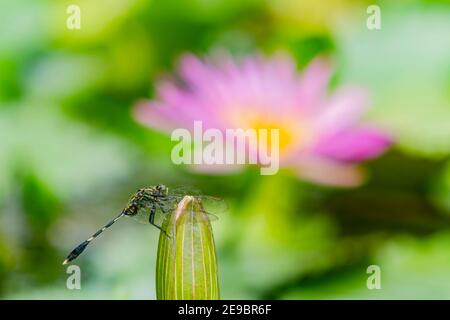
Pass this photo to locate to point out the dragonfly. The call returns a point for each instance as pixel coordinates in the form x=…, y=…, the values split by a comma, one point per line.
x=152, y=206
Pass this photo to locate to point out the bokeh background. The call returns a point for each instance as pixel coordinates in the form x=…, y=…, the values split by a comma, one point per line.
x=71, y=152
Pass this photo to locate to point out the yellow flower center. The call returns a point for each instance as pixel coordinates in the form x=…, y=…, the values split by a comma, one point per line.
x=285, y=133
x=290, y=130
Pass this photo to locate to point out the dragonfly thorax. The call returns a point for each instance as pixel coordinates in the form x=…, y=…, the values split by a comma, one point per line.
x=143, y=197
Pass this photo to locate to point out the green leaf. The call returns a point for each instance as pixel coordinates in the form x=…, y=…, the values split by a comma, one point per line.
x=186, y=266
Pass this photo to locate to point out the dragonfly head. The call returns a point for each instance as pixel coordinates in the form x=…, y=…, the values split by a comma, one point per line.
x=162, y=190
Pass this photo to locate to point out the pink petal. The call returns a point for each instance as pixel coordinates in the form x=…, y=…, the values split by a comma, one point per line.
x=156, y=116
x=326, y=172
x=313, y=84
x=344, y=109
x=353, y=145
x=183, y=105
x=202, y=80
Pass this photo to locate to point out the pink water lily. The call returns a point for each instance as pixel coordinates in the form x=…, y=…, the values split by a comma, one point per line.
x=321, y=135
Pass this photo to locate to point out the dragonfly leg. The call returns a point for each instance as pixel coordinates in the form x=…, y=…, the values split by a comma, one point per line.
x=161, y=206
x=151, y=218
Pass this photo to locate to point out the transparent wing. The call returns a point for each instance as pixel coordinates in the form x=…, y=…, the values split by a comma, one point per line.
x=210, y=206
x=211, y=203
x=166, y=207
x=142, y=216
x=193, y=216
x=161, y=212
x=184, y=191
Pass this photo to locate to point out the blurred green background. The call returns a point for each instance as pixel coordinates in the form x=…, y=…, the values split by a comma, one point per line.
x=71, y=154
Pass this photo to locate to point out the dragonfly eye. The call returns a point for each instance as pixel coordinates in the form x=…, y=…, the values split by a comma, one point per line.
x=162, y=189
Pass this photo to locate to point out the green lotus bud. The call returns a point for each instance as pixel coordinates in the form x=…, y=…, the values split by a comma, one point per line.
x=186, y=266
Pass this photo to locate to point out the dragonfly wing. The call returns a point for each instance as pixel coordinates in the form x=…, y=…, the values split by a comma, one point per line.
x=166, y=207
x=143, y=215
x=213, y=204
x=204, y=214
x=212, y=217
x=169, y=204
x=210, y=203
x=184, y=191
x=200, y=217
